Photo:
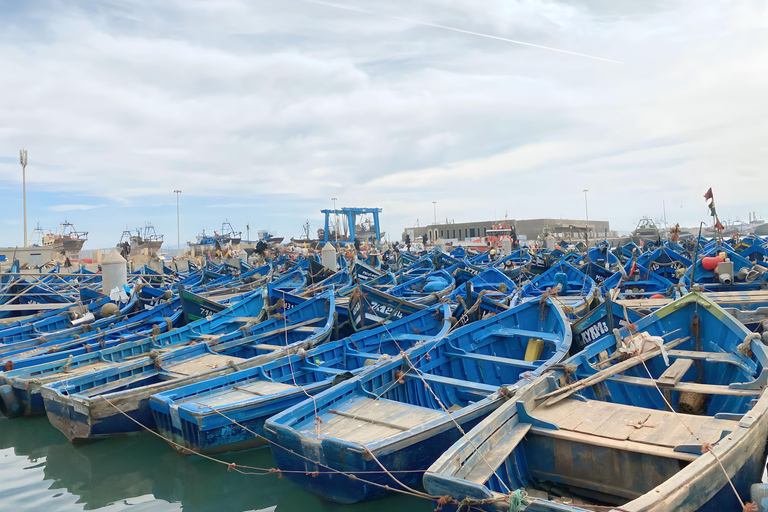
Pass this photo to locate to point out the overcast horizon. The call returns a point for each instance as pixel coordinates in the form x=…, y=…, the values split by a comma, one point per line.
x=261, y=112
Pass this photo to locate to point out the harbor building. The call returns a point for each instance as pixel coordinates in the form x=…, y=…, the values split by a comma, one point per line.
x=526, y=229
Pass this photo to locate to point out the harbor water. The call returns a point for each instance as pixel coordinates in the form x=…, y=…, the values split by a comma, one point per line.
x=41, y=470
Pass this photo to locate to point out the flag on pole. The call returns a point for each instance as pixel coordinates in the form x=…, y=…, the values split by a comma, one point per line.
x=708, y=194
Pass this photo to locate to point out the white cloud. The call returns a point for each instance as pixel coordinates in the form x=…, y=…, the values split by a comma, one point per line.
x=74, y=207
x=127, y=101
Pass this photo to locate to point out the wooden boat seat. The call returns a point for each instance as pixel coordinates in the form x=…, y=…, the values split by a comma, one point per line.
x=509, y=332
x=201, y=364
x=268, y=348
x=306, y=329
x=246, y=320
x=409, y=337
x=706, y=389
x=628, y=428
x=367, y=420
x=77, y=370
x=710, y=357
x=114, y=384
x=246, y=391
x=517, y=363
x=475, y=388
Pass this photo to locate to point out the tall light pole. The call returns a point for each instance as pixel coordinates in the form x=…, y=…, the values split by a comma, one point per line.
x=23, y=160
x=586, y=208
x=336, y=219
x=434, y=210
x=178, y=230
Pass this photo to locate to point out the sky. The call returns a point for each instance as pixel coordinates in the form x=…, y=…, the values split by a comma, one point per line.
x=261, y=111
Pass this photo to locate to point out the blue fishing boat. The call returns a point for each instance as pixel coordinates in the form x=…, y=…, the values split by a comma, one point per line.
x=368, y=307
x=65, y=339
x=636, y=281
x=600, y=255
x=664, y=262
x=196, y=307
x=106, y=402
x=426, y=289
x=574, y=289
x=490, y=291
x=402, y=414
x=623, y=430
x=600, y=321
x=31, y=373
x=628, y=251
x=199, y=418
x=291, y=281
x=731, y=273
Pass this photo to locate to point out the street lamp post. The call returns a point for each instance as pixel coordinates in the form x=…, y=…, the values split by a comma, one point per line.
x=586, y=208
x=336, y=219
x=434, y=210
x=178, y=230
x=23, y=161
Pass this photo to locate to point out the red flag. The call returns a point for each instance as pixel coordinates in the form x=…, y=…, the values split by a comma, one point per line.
x=719, y=225
x=708, y=195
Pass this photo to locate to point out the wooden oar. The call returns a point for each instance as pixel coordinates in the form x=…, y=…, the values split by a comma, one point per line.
x=564, y=392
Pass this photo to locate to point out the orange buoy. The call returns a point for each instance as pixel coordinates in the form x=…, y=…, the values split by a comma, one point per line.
x=657, y=296
x=710, y=263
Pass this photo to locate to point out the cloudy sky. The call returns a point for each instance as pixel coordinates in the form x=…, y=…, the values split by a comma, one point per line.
x=261, y=111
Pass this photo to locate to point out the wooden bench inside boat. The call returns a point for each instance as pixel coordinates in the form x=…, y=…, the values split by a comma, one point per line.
x=505, y=361
x=246, y=391
x=510, y=332
x=630, y=428
x=368, y=420
x=201, y=364
x=610, y=448
x=693, y=387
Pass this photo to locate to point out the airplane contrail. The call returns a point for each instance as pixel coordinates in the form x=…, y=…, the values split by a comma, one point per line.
x=454, y=29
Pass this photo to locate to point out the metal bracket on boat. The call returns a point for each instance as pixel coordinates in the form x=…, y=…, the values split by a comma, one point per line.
x=729, y=416
x=695, y=449
x=759, y=383
x=173, y=411
x=525, y=417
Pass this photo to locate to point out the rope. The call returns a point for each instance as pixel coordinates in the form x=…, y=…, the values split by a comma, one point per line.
x=518, y=499
x=231, y=466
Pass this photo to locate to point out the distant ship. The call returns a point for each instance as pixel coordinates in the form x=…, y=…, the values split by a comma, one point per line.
x=225, y=236
x=647, y=231
x=144, y=238
x=263, y=235
x=755, y=225
x=66, y=238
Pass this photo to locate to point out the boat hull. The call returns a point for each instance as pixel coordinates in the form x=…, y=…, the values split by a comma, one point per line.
x=369, y=481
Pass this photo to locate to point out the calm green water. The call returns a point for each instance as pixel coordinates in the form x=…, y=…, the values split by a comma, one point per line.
x=41, y=470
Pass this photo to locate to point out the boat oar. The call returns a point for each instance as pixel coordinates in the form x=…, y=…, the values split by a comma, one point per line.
x=564, y=392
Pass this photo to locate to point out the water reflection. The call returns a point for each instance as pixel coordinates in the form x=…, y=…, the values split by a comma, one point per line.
x=143, y=471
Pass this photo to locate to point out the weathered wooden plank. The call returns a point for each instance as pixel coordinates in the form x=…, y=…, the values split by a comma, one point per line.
x=594, y=415
x=484, y=467
x=716, y=357
x=555, y=413
x=267, y=347
x=36, y=307
x=201, y=364
x=607, y=442
x=707, y=389
x=674, y=373
x=623, y=422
